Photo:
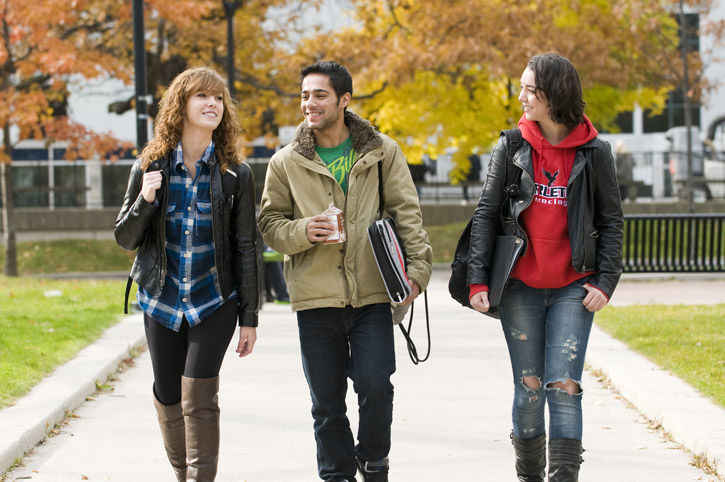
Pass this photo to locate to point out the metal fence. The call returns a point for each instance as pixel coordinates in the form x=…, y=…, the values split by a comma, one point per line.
x=674, y=243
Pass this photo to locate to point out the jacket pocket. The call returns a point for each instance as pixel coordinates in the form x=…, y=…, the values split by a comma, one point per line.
x=590, y=250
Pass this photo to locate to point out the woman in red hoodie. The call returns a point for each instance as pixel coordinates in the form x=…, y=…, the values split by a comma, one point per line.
x=565, y=205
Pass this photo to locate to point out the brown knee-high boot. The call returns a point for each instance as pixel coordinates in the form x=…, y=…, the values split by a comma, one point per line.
x=200, y=405
x=565, y=458
x=171, y=422
x=530, y=458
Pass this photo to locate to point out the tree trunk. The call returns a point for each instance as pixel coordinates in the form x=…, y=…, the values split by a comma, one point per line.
x=8, y=211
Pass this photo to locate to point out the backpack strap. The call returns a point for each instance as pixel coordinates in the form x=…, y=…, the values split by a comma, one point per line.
x=380, y=188
x=125, y=299
x=514, y=141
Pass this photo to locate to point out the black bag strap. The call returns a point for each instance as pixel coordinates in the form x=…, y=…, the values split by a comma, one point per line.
x=125, y=298
x=412, y=350
x=380, y=187
x=514, y=141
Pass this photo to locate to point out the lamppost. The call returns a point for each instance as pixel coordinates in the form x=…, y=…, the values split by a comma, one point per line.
x=139, y=64
x=230, y=8
x=684, y=49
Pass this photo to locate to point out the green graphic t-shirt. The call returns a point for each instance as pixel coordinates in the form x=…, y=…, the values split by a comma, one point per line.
x=339, y=160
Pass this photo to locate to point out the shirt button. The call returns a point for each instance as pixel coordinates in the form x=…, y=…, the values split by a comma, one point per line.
x=186, y=232
x=187, y=186
x=184, y=280
x=183, y=299
x=189, y=208
x=187, y=255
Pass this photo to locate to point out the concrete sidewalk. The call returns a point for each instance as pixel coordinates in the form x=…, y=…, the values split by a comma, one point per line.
x=451, y=419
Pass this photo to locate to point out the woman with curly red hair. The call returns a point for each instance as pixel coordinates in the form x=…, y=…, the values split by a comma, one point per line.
x=196, y=264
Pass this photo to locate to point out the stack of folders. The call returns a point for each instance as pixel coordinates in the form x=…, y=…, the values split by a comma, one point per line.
x=390, y=257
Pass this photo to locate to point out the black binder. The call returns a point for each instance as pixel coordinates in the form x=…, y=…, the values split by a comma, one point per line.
x=390, y=258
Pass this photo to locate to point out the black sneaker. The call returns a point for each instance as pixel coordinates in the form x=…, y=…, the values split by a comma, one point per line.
x=373, y=472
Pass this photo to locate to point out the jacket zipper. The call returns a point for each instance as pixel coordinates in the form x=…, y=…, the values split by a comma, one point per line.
x=531, y=199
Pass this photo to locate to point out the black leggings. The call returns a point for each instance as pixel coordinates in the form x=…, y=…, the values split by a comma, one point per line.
x=195, y=352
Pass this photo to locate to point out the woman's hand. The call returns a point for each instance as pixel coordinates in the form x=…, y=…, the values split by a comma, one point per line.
x=150, y=184
x=595, y=299
x=479, y=302
x=247, y=339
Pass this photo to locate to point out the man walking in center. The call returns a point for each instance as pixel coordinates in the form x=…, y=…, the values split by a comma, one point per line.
x=343, y=310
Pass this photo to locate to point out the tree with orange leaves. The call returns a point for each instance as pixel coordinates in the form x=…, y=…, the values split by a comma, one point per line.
x=42, y=44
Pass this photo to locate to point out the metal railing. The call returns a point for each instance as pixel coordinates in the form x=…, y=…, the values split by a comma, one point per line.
x=674, y=243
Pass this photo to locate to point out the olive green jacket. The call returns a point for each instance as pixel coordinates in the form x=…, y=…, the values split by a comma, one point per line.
x=299, y=185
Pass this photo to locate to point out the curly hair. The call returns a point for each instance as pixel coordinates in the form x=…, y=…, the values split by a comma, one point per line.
x=172, y=111
x=557, y=79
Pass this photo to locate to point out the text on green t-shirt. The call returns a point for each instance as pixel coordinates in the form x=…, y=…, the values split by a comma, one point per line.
x=339, y=160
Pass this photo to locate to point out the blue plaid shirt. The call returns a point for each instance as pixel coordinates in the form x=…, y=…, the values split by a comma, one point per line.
x=191, y=287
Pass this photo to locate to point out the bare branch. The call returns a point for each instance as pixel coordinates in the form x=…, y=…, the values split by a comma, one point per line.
x=246, y=79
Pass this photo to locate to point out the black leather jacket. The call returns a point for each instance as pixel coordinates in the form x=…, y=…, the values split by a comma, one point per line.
x=594, y=212
x=143, y=225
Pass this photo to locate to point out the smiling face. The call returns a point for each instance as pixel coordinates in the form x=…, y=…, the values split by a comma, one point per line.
x=535, y=108
x=204, y=110
x=319, y=104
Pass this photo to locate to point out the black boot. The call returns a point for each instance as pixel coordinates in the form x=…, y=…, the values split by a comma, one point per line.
x=373, y=472
x=530, y=458
x=565, y=457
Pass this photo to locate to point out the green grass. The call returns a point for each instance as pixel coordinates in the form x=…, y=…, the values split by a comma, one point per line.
x=68, y=256
x=443, y=239
x=39, y=331
x=689, y=341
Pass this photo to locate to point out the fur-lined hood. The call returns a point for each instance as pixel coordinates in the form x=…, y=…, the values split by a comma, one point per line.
x=364, y=136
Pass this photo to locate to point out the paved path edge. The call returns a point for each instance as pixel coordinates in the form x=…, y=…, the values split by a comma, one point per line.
x=692, y=420
x=27, y=421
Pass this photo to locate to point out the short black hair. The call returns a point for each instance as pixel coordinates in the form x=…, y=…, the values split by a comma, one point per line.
x=340, y=78
x=557, y=79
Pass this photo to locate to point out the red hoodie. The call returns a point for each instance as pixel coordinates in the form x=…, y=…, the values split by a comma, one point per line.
x=547, y=262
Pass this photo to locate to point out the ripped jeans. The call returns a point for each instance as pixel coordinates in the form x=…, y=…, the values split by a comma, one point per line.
x=546, y=331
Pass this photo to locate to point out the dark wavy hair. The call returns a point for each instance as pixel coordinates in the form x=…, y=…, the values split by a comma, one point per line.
x=340, y=78
x=558, y=81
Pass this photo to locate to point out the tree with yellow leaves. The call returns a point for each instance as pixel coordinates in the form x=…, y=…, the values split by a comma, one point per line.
x=450, y=70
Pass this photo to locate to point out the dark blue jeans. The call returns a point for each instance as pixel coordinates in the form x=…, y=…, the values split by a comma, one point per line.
x=358, y=343
x=547, y=332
